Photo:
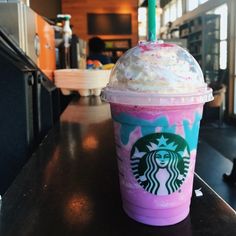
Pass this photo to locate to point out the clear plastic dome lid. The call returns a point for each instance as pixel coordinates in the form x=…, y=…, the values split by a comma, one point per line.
x=159, y=69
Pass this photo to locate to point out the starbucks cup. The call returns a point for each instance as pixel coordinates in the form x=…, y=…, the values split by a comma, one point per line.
x=156, y=93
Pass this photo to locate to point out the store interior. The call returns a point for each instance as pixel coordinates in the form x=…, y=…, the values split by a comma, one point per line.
x=39, y=38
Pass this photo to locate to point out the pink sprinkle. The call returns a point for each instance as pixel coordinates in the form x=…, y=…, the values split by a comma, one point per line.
x=145, y=47
x=166, y=45
x=148, y=47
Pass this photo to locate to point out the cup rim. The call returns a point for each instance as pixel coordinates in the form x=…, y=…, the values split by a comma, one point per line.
x=136, y=98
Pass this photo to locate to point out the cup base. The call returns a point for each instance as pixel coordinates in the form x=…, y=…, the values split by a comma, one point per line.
x=162, y=217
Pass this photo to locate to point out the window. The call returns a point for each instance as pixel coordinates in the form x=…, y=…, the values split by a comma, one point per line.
x=223, y=55
x=192, y=4
x=142, y=22
x=202, y=1
x=173, y=12
x=179, y=8
x=166, y=15
x=223, y=12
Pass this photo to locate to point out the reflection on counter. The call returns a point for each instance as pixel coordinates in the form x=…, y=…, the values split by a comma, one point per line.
x=79, y=210
x=90, y=142
x=97, y=106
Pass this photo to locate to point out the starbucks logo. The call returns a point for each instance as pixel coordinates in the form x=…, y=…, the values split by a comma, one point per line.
x=160, y=162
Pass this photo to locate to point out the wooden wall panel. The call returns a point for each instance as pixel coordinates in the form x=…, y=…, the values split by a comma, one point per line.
x=46, y=8
x=78, y=9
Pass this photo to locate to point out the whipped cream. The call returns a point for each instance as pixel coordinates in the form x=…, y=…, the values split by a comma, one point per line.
x=159, y=68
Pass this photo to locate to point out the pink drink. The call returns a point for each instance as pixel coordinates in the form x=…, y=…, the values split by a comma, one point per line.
x=156, y=122
x=143, y=201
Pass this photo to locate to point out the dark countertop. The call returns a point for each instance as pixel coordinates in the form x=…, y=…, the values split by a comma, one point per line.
x=70, y=186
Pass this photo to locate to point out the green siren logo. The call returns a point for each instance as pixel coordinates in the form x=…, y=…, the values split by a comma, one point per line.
x=160, y=162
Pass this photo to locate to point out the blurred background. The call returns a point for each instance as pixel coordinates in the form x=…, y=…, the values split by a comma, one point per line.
x=39, y=37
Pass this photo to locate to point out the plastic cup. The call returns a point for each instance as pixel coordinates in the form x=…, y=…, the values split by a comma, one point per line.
x=156, y=130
